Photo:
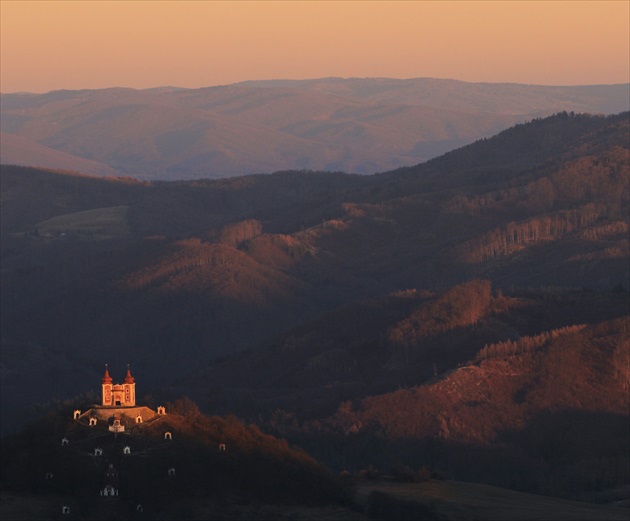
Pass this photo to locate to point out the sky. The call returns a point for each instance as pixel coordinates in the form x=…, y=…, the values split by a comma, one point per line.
x=50, y=45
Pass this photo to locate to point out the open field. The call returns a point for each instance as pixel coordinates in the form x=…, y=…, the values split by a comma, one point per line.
x=453, y=500
x=110, y=221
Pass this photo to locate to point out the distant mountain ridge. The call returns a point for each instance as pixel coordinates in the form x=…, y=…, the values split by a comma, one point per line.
x=504, y=98
x=334, y=124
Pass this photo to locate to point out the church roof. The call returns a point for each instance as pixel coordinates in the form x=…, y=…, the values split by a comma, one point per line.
x=106, y=378
x=129, y=378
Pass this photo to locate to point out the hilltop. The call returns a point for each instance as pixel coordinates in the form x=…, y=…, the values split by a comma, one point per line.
x=187, y=465
x=208, y=467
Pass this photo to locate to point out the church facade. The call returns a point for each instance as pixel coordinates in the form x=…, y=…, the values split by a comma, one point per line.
x=118, y=395
x=118, y=407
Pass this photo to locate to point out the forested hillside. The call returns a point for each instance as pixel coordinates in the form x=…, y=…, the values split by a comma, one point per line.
x=448, y=314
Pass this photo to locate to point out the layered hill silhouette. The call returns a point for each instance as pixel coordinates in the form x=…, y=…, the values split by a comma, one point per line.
x=351, y=125
x=469, y=313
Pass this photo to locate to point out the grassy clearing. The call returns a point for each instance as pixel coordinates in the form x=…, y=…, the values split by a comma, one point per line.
x=452, y=500
x=110, y=221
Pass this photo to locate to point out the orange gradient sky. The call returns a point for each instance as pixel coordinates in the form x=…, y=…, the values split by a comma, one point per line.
x=48, y=45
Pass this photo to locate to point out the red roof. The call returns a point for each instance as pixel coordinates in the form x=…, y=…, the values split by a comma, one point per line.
x=106, y=378
x=128, y=378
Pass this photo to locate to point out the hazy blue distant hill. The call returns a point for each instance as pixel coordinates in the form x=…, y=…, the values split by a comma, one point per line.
x=502, y=98
x=23, y=151
x=334, y=124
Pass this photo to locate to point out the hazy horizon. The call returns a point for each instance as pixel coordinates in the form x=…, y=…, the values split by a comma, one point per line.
x=272, y=80
x=47, y=46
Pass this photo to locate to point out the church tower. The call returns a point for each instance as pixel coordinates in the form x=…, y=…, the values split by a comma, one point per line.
x=107, y=388
x=130, y=389
x=119, y=395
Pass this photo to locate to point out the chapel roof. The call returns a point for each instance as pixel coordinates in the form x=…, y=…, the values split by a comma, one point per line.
x=106, y=378
x=129, y=378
